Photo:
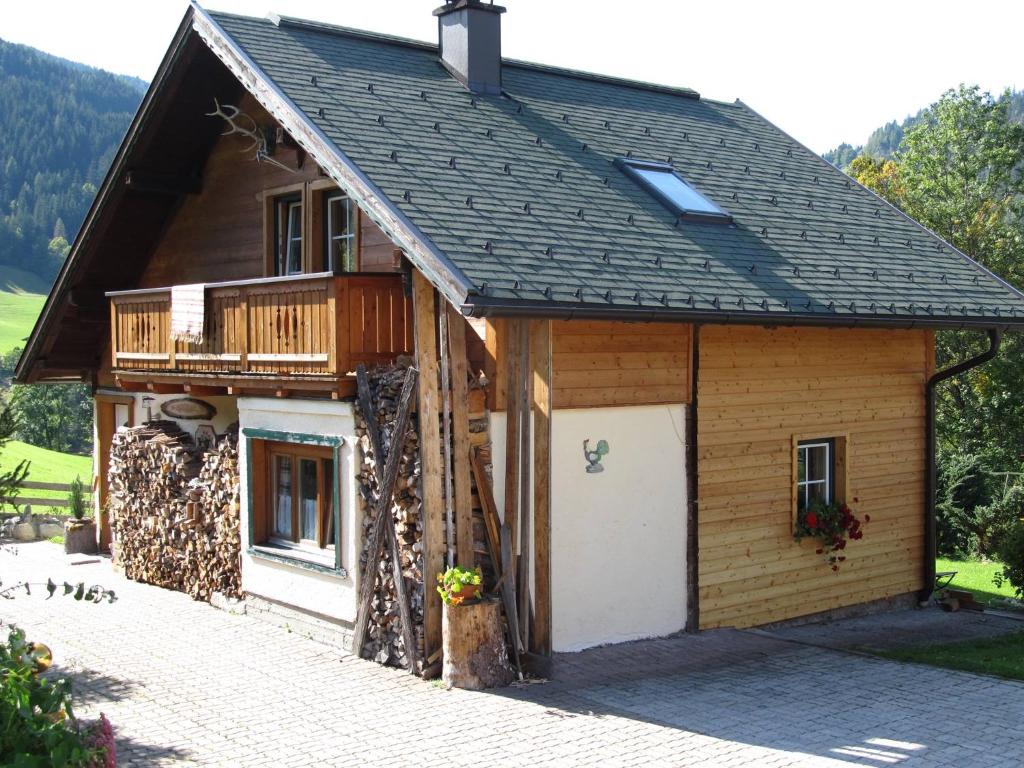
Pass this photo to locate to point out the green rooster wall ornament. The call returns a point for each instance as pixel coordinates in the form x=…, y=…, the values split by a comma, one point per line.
x=594, y=457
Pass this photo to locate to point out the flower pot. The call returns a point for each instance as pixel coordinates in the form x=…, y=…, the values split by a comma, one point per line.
x=80, y=537
x=468, y=592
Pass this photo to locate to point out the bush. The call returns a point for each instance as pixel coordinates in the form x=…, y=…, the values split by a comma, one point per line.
x=975, y=505
x=37, y=725
x=1011, y=553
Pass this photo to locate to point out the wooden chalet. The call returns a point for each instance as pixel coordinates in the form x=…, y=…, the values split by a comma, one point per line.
x=684, y=323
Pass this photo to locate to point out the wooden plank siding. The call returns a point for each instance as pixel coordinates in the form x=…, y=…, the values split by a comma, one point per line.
x=756, y=389
x=599, y=364
x=220, y=234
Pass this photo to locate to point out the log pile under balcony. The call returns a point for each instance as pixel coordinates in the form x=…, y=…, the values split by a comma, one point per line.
x=174, y=510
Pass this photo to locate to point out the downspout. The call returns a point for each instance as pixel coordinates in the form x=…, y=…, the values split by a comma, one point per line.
x=995, y=337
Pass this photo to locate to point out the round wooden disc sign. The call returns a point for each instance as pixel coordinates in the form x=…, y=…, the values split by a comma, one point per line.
x=188, y=408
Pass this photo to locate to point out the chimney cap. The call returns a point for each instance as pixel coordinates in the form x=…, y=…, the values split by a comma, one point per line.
x=458, y=5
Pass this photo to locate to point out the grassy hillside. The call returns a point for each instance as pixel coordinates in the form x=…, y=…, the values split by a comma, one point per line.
x=47, y=466
x=18, y=313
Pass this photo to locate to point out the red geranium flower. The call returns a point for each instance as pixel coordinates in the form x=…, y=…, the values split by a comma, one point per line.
x=812, y=520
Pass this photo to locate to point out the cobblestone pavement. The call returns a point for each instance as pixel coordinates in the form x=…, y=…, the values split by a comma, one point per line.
x=187, y=684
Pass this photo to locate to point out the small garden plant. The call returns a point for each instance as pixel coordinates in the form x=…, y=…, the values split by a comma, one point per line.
x=457, y=585
x=37, y=724
x=76, y=499
x=833, y=525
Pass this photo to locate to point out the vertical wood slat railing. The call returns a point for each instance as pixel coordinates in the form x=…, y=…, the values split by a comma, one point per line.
x=322, y=325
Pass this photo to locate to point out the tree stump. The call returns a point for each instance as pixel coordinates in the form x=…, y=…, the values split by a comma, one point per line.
x=473, y=643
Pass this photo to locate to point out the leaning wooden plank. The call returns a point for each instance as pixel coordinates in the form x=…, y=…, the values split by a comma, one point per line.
x=540, y=354
x=508, y=595
x=382, y=514
x=405, y=613
x=432, y=505
x=460, y=438
x=492, y=525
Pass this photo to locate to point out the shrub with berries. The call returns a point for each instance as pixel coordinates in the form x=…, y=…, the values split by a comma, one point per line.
x=833, y=525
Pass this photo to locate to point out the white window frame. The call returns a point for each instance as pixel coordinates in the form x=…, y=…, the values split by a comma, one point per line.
x=803, y=487
x=349, y=266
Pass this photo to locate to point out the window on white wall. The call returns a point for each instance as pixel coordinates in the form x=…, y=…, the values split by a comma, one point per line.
x=293, y=494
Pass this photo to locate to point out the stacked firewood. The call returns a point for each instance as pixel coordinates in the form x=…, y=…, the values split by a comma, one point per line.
x=384, y=641
x=174, y=509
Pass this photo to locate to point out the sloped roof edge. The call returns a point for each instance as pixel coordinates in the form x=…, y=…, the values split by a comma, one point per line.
x=58, y=292
x=423, y=254
x=977, y=265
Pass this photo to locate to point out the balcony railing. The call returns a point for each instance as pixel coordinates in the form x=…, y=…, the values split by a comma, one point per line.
x=311, y=326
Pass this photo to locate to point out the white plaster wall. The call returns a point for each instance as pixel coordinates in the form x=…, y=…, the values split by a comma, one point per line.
x=329, y=595
x=227, y=412
x=618, y=537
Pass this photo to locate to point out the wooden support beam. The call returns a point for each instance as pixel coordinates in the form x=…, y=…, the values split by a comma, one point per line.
x=200, y=390
x=511, y=366
x=460, y=439
x=131, y=386
x=446, y=434
x=523, y=398
x=692, y=542
x=540, y=356
x=424, y=330
x=165, y=389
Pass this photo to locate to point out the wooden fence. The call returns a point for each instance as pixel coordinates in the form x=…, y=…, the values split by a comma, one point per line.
x=60, y=501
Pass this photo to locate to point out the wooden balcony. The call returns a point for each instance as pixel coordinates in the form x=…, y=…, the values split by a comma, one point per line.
x=271, y=335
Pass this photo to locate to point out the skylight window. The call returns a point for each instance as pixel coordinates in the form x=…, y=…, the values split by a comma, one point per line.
x=662, y=181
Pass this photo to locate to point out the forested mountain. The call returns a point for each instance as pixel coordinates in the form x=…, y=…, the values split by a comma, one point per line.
x=60, y=124
x=884, y=141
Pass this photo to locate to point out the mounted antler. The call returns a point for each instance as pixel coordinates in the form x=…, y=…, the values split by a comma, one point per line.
x=233, y=116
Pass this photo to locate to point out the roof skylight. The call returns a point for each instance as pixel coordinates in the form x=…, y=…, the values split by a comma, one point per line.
x=662, y=181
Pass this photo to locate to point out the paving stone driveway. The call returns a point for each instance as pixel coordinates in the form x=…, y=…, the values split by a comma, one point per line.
x=186, y=684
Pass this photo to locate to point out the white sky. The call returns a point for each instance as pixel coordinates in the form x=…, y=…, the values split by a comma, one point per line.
x=825, y=72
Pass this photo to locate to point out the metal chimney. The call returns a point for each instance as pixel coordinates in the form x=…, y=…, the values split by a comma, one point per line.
x=469, y=37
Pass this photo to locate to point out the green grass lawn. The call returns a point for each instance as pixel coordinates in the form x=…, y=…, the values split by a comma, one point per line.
x=1001, y=656
x=46, y=467
x=21, y=299
x=976, y=577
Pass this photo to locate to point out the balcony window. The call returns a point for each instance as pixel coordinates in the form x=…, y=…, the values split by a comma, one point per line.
x=288, y=236
x=339, y=237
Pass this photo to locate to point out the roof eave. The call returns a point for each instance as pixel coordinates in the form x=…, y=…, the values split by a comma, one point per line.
x=479, y=307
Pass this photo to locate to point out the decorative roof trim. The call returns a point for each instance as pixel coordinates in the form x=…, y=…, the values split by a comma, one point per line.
x=429, y=259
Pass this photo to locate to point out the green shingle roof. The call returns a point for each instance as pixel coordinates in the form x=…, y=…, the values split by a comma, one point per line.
x=521, y=194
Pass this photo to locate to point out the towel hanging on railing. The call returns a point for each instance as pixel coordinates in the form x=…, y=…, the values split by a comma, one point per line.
x=188, y=310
